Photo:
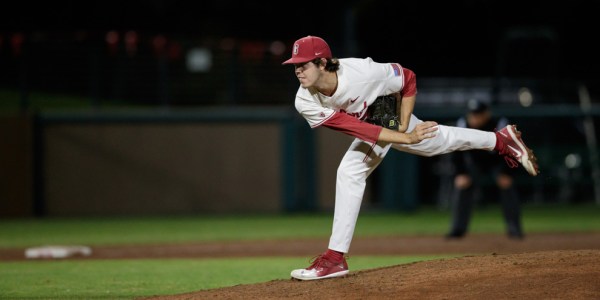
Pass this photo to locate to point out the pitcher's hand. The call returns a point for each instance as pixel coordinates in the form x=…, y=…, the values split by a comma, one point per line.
x=425, y=130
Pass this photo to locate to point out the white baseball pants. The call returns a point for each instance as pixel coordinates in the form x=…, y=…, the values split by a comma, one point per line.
x=362, y=158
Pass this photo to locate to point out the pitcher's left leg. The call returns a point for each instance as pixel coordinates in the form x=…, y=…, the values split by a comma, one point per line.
x=358, y=163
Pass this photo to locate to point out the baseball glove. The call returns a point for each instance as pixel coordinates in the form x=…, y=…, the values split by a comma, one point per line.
x=383, y=112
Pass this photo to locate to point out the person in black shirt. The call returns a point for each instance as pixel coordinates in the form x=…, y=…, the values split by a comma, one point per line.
x=473, y=167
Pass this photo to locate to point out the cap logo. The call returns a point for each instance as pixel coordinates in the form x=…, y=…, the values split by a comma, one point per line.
x=296, y=46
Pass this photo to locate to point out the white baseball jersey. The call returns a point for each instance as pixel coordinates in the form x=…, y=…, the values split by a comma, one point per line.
x=360, y=82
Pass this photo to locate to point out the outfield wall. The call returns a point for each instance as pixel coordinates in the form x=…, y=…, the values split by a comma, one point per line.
x=157, y=168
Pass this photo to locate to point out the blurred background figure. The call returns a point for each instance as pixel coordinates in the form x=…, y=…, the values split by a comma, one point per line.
x=477, y=171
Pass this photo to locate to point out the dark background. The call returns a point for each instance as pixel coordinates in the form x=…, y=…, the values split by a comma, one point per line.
x=458, y=49
x=434, y=38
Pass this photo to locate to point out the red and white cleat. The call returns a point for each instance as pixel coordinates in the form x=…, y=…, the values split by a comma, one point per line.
x=322, y=267
x=514, y=150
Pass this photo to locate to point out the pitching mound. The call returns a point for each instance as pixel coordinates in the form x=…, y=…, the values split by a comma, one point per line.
x=558, y=274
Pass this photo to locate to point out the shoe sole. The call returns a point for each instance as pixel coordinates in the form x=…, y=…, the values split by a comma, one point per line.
x=332, y=275
x=527, y=153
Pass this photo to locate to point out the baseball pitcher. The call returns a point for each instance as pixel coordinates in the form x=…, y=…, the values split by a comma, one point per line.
x=374, y=102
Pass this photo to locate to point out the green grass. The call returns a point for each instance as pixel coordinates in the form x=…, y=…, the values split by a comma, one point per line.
x=150, y=230
x=128, y=279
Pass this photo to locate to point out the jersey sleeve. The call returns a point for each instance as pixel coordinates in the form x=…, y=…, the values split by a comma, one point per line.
x=350, y=125
x=410, y=83
x=314, y=114
x=403, y=80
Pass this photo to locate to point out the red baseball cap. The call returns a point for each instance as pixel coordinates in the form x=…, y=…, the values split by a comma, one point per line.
x=307, y=49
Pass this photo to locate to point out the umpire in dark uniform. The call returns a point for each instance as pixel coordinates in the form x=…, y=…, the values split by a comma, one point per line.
x=473, y=168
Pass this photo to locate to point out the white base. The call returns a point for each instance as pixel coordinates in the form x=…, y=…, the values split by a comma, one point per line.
x=57, y=251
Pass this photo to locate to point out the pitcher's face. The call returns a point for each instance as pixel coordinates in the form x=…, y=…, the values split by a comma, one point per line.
x=307, y=73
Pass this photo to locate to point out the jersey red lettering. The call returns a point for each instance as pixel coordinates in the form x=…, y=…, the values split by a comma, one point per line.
x=359, y=115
